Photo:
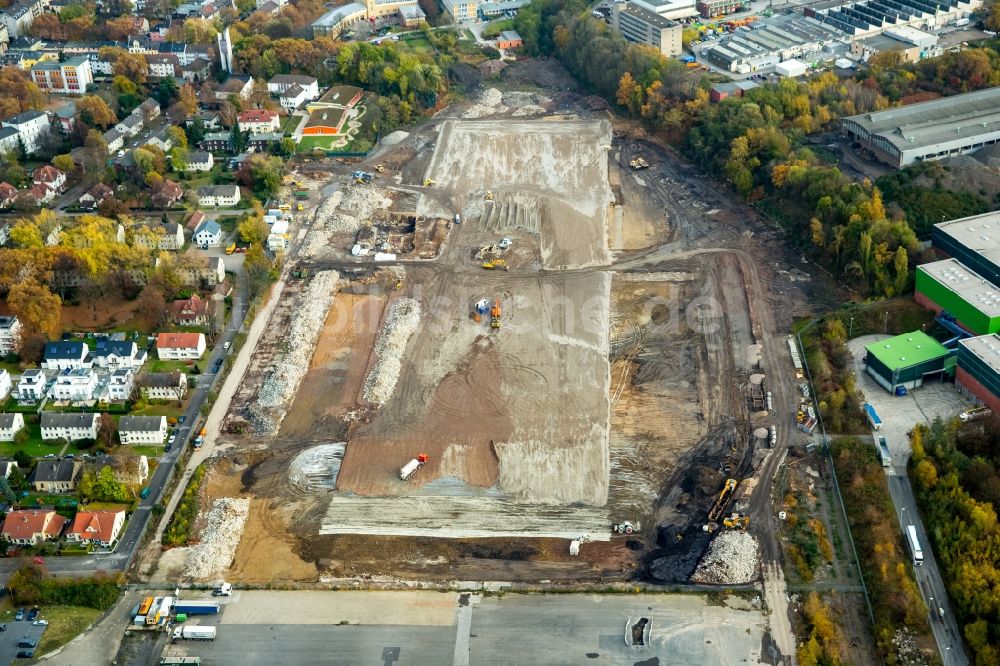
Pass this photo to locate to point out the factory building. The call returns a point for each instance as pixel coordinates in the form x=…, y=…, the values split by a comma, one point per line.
x=641, y=26
x=929, y=130
x=974, y=241
x=949, y=287
x=904, y=362
x=669, y=9
x=978, y=374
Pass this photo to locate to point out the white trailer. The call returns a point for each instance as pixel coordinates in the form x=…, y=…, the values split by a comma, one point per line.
x=911, y=539
x=410, y=468
x=195, y=633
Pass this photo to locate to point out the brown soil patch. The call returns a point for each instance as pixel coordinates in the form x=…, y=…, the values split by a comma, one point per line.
x=337, y=371
x=223, y=480
x=266, y=551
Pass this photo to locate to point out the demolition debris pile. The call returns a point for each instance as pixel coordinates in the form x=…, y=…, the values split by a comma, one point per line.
x=288, y=371
x=344, y=212
x=400, y=323
x=731, y=559
x=223, y=530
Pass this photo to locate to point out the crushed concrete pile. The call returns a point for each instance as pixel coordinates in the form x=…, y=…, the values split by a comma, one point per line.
x=490, y=103
x=400, y=324
x=394, y=138
x=363, y=200
x=526, y=103
x=262, y=423
x=278, y=389
x=223, y=530
x=731, y=559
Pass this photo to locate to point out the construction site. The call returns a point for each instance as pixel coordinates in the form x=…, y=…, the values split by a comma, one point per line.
x=519, y=345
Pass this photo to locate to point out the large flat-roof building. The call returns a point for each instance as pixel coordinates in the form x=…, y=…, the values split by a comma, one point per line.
x=929, y=130
x=669, y=9
x=948, y=286
x=978, y=373
x=974, y=241
x=905, y=361
x=641, y=26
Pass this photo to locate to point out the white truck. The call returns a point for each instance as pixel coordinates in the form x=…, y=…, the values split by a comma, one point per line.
x=223, y=590
x=410, y=468
x=195, y=633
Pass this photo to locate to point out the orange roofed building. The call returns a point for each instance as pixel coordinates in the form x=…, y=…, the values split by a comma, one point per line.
x=31, y=526
x=100, y=527
x=180, y=346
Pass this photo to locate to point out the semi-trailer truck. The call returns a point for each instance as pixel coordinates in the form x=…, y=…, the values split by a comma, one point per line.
x=873, y=417
x=195, y=633
x=197, y=607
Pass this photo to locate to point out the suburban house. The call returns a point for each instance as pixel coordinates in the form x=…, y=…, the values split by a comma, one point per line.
x=199, y=160
x=279, y=83
x=217, y=141
x=9, y=142
x=293, y=98
x=69, y=426
x=509, y=39
x=132, y=470
x=163, y=385
x=192, y=311
x=40, y=194
x=148, y=110
x=28, y=527
x=194, y=221
x=202, y=271
x=5, y=383
x=66, y=355
x=7, y=465
x=93, y=197
x=32, y=127
x=142, y=429
x=218, y=195
x=169, y=236
x=168, y=194
x=100, y=527
x=115, y=354
x=180, y=346
x=114, y=139
x=240, y=86
x=120, y=384
x=56, y=476
x=258, y=120
x=49, y=176
x=8, y=193
x=209, y=233
x=74, y=384
x=31, y=385
x=130, y=126
x=10, y=425
x=162, y=65
x=10, y=335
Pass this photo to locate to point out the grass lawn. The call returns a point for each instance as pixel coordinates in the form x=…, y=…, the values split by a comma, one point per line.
x=35, y=446
x=161, y=408
x=159, y=365
x=417, y=44
x=309, y=142
x=148, y=451
x=65, y=623
x=12, y=368
x=106, y=506
x=289, y=123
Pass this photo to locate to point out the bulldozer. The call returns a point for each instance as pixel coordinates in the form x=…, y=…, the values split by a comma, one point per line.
x=625, y=527
x=720, y=503
x=638, y=163
x=429, y=182
x=737, y=521
x=380, y=168
x=489, y=196
x=495, y=314
x=495, y=264
x=362, y=177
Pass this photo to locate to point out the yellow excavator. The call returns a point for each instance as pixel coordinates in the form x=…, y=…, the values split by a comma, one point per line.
x=737, y=521
x=380, y=168
x=428, y=182
x=495, y=264
x=495, y=314
x=720, y=503
x=489, y=196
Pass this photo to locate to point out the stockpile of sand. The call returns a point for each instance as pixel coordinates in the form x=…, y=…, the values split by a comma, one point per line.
x=731, y=559
x=219, y=539
x=400, y=324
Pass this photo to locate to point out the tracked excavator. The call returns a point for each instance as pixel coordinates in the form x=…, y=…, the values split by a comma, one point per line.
x=723, y=499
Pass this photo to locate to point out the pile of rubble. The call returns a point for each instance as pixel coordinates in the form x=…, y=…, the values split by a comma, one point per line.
x=490, y=103
x=731, y=559
x=363, y=200
x=526, y=103
x=262, y=423
x=222, y=533
x=401, y=322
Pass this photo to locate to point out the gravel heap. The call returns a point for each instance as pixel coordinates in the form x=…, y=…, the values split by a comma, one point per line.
x=345, y=211
x=731, y=559
x=394, y=138
x=223, y=529
x=262, y=423
x=490, y=103
x=400, y=323
x=300, y=339
x=363, y=200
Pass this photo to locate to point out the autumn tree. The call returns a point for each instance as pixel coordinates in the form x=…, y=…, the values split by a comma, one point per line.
x=131, y=66
x=64, y=162
x=38, y=308
x=19, y=92
x=95, y=112
x=187, y=99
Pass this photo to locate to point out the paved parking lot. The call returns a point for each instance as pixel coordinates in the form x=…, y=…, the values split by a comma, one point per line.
x=15, y=632
x=900, y=413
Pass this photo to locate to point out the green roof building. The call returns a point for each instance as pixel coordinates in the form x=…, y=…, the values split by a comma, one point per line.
x=903, y=362
x=951, y=287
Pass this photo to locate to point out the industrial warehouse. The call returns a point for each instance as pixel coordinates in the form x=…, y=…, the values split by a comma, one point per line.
x=821, y=30
x=948, y=286
x=928, y=130
x=904, y=362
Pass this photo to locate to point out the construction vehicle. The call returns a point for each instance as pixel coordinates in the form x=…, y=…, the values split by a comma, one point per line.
x=625, y=527
x=362, y=177
x=488, y=251
x=495, y=314
x=489, y=196
x=638, y=163
x=410, y=468
x=297, y=183
x=380, y=168
x=231, y=248
x=494, y=264
x=737, y=521
x=723, y=499
x=299, y=207
x=428, y=182
x=505, y=243
x=399, y=284
x=481, y=307
x=301, y=274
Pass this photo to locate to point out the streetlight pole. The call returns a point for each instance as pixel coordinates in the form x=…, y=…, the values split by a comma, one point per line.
x=885, y=325
x=850, y=330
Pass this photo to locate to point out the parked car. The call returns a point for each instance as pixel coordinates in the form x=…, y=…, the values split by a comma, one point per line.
x=181, y=419
x=227, y=345
x=41, y=623
x=172, y=438
x=20, y=614
x=25, y=654
x=27, y=643
x=33, y=614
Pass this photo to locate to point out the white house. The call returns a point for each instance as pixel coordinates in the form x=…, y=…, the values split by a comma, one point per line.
x=120, y=384
x=66, y=355
x=180, y=346
x=258, y=121
x=280, y=83
x=69, y=426
x=130, y=126
x=199, y=160
x=76, y=384
x=293, y=98
x=142, y=429
x=163, y=385
x=10, y=335
x=5, y=383
x=10, y=425
x=168, y=236
x=31, y=385
x=31, y=126
x=49, y=176
x=114, y=354
x=100, y=527
x=218, y=195
x=208, y=233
